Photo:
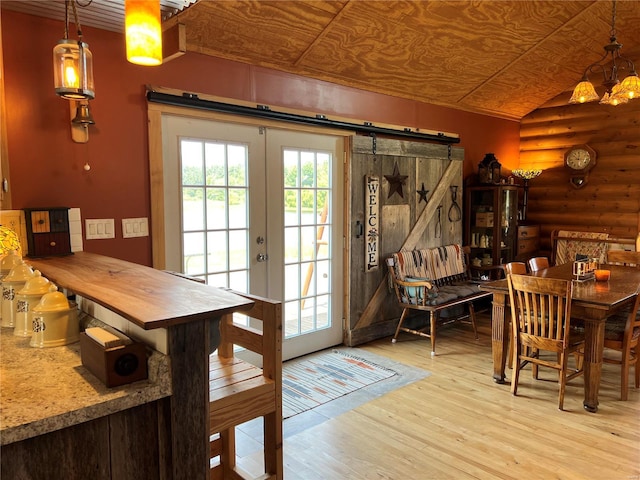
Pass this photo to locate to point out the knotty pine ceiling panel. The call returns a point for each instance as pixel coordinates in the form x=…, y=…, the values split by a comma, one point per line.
x=474, y=55
x=260, y=32
x=470, y=55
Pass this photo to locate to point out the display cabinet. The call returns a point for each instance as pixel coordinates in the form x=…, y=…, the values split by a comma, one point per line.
x=491, y=222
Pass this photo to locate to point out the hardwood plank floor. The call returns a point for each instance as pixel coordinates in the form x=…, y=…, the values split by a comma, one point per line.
x=458, y=424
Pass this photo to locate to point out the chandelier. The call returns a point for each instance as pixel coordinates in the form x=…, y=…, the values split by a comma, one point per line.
x=610, y=64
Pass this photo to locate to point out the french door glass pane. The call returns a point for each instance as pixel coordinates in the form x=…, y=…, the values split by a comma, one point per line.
x=215, y=210
x=307, y=191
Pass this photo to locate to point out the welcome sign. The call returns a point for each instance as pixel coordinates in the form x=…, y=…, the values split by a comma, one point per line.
x=372, y=195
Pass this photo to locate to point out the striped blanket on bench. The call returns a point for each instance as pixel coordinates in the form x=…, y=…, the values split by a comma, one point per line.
x=433, y=280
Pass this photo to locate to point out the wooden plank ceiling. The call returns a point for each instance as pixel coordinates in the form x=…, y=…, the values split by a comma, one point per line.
x=502, y=58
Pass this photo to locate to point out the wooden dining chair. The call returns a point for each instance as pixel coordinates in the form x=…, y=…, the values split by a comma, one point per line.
x=538, y=263
x=623, y=257
x=519, y=268
x=622, y=334
x=541, y=313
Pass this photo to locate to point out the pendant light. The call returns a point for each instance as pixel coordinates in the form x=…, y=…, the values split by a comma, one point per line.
x=73, y=62
x=143, y=32
x=610, y=64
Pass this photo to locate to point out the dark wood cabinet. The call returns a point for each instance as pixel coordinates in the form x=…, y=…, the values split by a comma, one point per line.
x=491, y=215
x=528, y=242
x=48, y=231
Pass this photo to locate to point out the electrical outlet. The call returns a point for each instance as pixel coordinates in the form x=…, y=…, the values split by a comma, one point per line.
x=135, y=227
x=99, y=228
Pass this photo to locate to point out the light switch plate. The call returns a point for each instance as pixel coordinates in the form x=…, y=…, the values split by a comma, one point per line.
x=135, y=227
x=99, y=228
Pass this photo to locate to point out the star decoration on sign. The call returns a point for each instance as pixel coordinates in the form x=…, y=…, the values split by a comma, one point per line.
x=396, y=181
x=423, y=194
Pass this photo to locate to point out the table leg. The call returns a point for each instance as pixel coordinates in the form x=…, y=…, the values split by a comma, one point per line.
x=499, y=336
x=593, y=351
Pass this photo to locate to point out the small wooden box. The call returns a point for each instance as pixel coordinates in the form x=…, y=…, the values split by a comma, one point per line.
x=114, y=366
x=48, y=231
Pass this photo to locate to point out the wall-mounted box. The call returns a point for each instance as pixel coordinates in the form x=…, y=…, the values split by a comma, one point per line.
x=48, y=231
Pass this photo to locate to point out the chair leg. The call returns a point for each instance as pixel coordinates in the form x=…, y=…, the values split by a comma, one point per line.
x=228, y=455
x=624, y=380
x=404, y=314
x=434, y=318
x=515, y=373
x=510, y=356
x=273, y=462
x=637, y=365
x=472, y=316
x=563, y=380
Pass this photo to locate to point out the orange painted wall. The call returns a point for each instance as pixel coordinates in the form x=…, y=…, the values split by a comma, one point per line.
x=47, y=167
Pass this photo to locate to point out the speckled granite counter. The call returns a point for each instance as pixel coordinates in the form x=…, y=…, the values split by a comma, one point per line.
x=47, y=389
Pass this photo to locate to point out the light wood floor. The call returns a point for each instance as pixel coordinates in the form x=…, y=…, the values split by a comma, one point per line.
x=458, y=424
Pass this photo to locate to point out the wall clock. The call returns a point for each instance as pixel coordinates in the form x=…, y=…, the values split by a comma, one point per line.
x=579, y=159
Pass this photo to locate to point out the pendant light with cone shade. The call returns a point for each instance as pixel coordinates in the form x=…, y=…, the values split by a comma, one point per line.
x=143, y=32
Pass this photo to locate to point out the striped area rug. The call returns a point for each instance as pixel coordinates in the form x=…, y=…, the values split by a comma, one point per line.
x=320, y=378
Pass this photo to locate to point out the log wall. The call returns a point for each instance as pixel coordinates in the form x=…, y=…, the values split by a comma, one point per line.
x=610, y=201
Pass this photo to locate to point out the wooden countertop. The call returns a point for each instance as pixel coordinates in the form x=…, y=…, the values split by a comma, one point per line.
x=145, y=296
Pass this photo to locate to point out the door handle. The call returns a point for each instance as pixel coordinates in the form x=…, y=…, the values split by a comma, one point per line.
x=262, y=257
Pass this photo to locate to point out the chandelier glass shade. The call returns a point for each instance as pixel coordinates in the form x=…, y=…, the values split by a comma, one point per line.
x=73, y=63
x=143, y=32
x=526, y=174
x=610, y=65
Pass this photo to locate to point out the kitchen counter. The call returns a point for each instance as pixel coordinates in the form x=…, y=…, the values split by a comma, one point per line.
x=56, y=412
x=47, y=389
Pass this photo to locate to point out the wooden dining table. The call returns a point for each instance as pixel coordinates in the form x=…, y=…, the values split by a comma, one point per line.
x=591, y=301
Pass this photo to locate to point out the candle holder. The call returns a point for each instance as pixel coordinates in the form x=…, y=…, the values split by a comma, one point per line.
x=525, y=175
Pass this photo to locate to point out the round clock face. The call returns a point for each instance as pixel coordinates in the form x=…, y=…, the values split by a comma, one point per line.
x=578, y=159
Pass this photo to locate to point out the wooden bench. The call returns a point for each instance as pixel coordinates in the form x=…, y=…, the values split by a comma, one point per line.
x=434, y=280
x=240, y=391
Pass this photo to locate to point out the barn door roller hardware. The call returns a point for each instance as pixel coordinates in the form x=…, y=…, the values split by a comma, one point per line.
x=263, y=111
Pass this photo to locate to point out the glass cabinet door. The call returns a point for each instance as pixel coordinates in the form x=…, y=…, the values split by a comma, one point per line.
x=491, y=228
x=508, y=224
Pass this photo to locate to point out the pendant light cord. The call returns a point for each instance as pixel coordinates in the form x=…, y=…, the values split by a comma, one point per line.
x=613, y=20
x=75, y=19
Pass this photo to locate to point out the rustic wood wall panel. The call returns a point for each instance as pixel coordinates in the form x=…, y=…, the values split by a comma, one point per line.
x=81, y=451
x=421, y=163
x=610, y=202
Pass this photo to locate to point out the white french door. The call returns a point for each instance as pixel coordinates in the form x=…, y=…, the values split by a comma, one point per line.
x=259, y=210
